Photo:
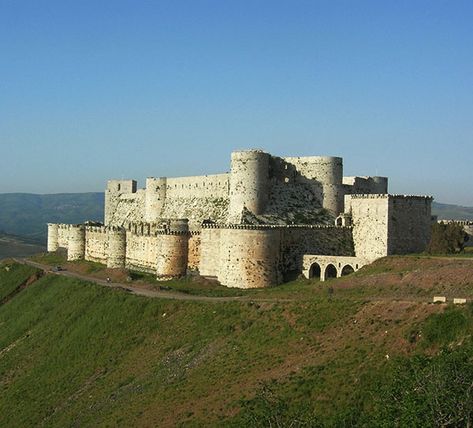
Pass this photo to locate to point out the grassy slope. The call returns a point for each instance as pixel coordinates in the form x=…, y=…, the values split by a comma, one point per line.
x=13, y=275
x=76, y=353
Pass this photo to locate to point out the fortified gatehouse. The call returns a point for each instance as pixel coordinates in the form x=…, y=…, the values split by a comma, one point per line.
x=267, y=221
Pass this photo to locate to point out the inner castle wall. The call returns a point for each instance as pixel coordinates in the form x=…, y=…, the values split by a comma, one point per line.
x=260, y=188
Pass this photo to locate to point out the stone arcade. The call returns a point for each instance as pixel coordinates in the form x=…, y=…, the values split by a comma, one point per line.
x=267, y=221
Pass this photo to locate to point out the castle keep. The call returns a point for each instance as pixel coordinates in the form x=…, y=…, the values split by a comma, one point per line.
x=265, y=222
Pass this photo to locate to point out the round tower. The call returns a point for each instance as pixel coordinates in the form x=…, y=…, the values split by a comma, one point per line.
x=249, y=183
x=329, y=172
x=116, y=247
x=173, y=249
x=155, y=196
x=333, y=198
x=53, y=237
x=76, y=242
x=327, y=169
x=249, y=258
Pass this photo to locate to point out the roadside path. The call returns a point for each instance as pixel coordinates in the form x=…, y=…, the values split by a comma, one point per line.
x=139, y=291
x=177, y=295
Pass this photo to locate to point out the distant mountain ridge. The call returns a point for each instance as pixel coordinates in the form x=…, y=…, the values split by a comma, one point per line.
x=26, y=214
x=452, y=212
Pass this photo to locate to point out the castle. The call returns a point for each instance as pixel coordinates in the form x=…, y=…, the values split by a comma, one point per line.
x=267, y=221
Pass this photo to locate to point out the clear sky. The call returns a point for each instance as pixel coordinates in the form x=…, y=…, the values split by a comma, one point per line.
x=92, y=90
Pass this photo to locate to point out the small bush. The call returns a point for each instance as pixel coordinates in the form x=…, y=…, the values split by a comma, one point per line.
x=444, y=328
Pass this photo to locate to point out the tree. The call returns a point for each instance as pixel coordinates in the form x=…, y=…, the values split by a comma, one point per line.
x=447, y=238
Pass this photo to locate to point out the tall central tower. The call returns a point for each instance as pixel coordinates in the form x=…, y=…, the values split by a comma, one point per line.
x=249, y=183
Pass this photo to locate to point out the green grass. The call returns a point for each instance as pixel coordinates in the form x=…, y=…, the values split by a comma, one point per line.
x=89, y=355
x=445, y=328
x=12, y=275
x=75, y=353
x=52, y=259
x=188, y=285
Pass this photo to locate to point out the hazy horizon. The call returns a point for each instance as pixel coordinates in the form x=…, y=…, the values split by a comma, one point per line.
x=99, y=90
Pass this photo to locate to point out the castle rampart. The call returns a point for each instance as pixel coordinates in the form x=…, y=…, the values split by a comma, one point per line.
x=249, y=257
x=395, y=224
x=257, y=226
x=96, y=241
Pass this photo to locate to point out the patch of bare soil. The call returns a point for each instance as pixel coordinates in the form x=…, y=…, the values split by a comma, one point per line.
x=452, y=277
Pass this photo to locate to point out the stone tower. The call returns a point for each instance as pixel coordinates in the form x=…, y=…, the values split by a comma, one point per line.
x=249, y=183
x=155, y=196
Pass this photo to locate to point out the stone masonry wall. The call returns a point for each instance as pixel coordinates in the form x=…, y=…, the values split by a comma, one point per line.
x=63, y=235
x=365, y=185
x=260, y=189
x=193, y=256
x=96, y=244
x=172, y=255
x=127, y=208
x=370, y=215
x=297, y=241
x=141, y=252
x=209, y=252
x=249, y=258
x=410, y=224
x=204, y=186
x=261, y=256
x=389, y=224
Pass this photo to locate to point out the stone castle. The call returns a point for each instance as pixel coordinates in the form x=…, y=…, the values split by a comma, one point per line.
x=267, y=221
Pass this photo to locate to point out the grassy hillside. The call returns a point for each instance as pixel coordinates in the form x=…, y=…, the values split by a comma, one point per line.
x=26, y=214
x=75, y=353
x=13, y=276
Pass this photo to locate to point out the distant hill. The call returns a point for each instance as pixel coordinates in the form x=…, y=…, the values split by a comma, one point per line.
x=26, y=214
x=15, y=246
x=452, y=212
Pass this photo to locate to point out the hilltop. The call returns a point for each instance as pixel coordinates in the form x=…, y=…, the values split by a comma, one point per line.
x=76, y=353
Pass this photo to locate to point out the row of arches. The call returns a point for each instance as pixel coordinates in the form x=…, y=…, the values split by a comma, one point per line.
x=329, y=271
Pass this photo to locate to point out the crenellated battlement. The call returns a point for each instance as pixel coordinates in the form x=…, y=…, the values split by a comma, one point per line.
x=459, y=222
x=391, y=196
x=271, y=226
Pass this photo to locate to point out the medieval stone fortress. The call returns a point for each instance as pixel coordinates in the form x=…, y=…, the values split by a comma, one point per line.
x=265, y=222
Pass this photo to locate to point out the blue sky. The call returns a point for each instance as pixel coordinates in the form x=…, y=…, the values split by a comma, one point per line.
x=92, y=90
